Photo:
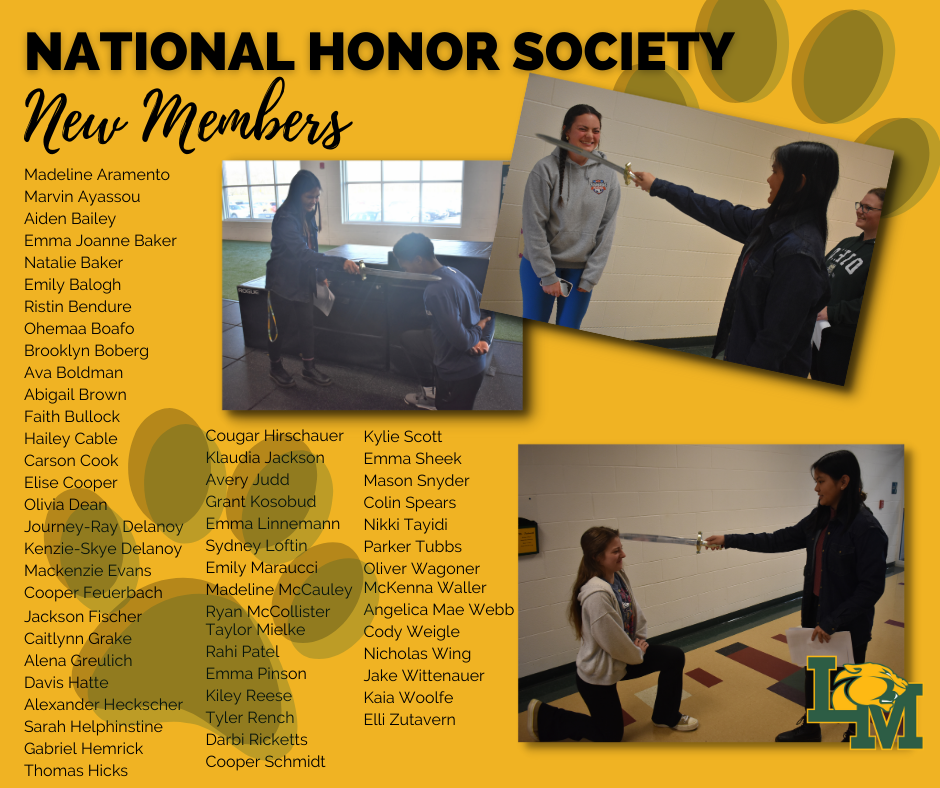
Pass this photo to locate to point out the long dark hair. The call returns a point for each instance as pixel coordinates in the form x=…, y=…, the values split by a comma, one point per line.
x=570, y=115
x=303, y=181
x=835, y=465
x=820, y=164
x=594, y=543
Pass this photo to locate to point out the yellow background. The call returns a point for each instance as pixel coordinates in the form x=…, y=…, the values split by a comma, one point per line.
x=579, y=388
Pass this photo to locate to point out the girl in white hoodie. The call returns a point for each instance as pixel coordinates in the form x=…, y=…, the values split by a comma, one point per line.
x=605, y=614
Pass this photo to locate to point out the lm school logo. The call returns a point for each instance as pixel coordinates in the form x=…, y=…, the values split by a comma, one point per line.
x=866, y=692
x=598, y=186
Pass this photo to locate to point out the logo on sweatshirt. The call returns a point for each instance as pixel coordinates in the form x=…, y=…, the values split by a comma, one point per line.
x=598, y=186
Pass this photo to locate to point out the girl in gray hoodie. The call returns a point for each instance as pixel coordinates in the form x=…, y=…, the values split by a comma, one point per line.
x=612, y=628
x=568, y=217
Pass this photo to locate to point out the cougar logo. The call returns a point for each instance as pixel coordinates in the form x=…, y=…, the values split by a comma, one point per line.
x=867, y=684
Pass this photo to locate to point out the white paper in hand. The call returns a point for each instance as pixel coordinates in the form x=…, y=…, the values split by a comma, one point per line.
x=817, y=332
x=801, y=647
x=324, y=298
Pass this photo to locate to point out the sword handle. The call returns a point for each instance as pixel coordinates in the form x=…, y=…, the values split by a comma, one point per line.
x=698, y=544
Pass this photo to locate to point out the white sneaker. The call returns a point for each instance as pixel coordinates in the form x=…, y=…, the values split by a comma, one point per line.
x=532, y=722
x=686, y=724
x=420, y=400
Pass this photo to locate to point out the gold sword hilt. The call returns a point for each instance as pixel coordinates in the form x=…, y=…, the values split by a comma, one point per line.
x=700, y=542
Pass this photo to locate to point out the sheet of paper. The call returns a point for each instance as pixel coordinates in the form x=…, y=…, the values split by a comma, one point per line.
x=801, y=647
x=817, y=332
x=324, y=299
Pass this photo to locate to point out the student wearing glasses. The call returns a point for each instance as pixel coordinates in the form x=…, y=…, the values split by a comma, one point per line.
x=848, y=266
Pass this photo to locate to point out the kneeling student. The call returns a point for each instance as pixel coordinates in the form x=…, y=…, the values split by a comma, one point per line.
x=612, y=629
x=460, y=333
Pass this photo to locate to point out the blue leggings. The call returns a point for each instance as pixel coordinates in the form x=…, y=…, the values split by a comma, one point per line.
x=537, y=304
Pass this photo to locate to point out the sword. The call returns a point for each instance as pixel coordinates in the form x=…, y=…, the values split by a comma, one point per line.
x=625, y=171
x=697, y=543
x=365, y=271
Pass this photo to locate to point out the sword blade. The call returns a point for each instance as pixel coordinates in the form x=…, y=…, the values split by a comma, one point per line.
x=581, y=152
x=365, y=271
x=658, y=538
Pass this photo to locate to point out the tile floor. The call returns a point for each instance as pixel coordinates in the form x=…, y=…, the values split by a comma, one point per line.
x=742, y=687
x=247, y=386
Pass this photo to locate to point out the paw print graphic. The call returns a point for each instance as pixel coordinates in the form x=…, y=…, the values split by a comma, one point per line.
x=841, y=69
x=208, y=651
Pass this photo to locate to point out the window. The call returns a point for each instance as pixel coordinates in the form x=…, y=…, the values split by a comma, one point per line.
x=403, y=192
x=255, y=189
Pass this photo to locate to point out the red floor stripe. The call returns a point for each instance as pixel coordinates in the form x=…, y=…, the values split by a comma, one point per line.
x=703, y=677
x=781, y=638
x=767, y=664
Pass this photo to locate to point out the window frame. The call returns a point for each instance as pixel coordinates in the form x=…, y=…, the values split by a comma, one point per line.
x=249, y=185
x=421, y=181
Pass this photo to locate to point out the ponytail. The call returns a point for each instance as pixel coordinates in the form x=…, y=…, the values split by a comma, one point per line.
x=594, y=542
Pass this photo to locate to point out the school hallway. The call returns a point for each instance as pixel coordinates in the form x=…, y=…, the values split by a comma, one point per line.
x=739, y=682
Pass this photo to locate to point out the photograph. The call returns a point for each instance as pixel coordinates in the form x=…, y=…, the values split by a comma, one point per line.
x=646, y=220
x=356, y=285
x=677, y=589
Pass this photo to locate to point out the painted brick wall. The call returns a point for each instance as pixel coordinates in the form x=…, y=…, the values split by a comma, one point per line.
x=675, y=491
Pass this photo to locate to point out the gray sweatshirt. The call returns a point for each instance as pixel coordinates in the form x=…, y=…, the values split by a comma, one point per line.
x=576, y=233
x=606, y=648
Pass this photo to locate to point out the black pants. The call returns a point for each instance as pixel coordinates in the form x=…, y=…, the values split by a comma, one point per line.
x=451, y=394
x=458, y=394
x=603, y=702
x=289, y=317
x=831, y=361
x=419, y=348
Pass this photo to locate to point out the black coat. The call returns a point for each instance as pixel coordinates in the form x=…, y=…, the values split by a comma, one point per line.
x=853, y=571
x=770, y=312
x=292, y=269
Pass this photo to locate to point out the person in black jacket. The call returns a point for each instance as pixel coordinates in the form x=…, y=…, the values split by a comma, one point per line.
x=846, y=553
x=293, y=273
x=779, y=283
x=848, y=265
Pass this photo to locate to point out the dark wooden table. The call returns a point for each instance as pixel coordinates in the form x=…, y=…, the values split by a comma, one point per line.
x=368, y=317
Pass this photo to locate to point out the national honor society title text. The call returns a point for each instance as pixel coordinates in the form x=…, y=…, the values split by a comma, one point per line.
x=54, y=121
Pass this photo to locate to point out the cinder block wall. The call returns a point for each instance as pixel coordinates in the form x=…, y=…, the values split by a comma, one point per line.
x=667, y=275
x=674, y=491
x=481, y=186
